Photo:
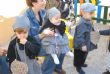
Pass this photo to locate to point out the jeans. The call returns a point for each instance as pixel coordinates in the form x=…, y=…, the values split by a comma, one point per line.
x=4, y=65
x=49, y=66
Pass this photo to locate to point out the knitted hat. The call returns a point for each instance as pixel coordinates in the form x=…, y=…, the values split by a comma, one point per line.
x=88, y=7
x=21, y=22
x=52, y=12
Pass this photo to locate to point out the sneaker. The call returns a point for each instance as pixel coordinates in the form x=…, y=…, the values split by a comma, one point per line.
x=84, y=65
x=60, y=72
x=107, y=72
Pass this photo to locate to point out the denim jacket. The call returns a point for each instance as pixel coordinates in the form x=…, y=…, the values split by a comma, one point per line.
x=82, y=35
x=35, y=26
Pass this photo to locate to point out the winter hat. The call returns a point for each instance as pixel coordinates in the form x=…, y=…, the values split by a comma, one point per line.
x=52, y=12
x=21, y=22
x=88, y=7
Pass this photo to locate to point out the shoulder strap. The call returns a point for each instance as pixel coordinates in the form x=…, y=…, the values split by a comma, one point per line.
x=18, y=50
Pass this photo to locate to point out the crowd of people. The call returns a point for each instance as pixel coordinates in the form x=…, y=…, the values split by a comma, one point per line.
x=40, y=34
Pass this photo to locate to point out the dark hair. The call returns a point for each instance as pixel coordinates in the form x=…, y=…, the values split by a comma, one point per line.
x=29, y=2
x=65, y=13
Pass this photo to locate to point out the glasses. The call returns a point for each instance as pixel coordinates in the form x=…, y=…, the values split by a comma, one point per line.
x=42, y=0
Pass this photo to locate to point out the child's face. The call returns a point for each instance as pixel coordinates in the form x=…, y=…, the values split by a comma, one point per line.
x=89, y=16
x=56, y=19
x=22, y=35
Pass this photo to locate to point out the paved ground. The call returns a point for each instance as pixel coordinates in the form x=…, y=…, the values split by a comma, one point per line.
x=96, y=59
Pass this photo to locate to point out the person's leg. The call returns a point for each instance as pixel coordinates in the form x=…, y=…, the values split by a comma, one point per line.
x=77, y=58
x=4, y=65
x=61, y=59
x=84, y=59
x=58, y=67
x=48, y=66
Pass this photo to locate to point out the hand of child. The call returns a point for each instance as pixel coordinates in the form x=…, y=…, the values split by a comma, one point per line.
x=84, y=49
x=23, y=41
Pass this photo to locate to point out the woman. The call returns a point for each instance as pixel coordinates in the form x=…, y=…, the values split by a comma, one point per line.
x=36, y=14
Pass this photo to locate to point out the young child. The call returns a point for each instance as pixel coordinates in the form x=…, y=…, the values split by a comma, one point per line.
x=82, y=39
x=54, y=45
x=27, y=48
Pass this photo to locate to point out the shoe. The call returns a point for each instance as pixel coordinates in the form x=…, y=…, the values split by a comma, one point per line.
x=60, y=72
x=84, y=65
x=107, y=72
x=79, y=70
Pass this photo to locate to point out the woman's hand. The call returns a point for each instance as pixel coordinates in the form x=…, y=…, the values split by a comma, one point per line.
x=46, y=32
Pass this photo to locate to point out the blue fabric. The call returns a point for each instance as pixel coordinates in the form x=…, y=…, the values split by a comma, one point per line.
x=105, y=32
x=49, y=66
x=35, y=26
x=82, y=35
x=4, y=65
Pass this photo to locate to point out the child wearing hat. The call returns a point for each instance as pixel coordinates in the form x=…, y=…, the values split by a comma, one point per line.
x=24, y=48
x=82, y=39
x=54, y=45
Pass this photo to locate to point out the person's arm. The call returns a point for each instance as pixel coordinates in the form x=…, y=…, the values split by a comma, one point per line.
x=105, y=32
x=11, y=52
x=33, y=46
x=81, y=30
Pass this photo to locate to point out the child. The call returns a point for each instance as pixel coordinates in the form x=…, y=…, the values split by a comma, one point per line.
x=82, y=43
x=25, y=46
x=54, y=45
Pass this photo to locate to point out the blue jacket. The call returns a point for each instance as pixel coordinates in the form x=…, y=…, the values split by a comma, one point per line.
x=82, y=35
x=35, y=26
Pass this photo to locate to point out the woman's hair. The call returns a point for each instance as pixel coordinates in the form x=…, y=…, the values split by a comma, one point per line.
x=29, y=2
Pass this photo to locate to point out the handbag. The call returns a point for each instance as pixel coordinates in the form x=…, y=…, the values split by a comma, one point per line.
x=18, y=67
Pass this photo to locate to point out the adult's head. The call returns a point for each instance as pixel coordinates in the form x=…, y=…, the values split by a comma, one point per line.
x=36, y=4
